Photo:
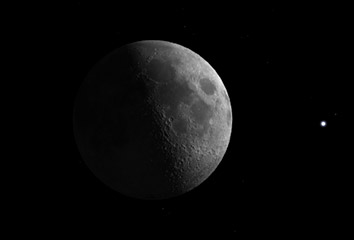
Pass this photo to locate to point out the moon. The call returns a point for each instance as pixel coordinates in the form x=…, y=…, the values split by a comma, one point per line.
x=152, y=120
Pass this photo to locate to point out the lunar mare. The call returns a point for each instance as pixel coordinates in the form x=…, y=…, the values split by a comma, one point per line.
x=207, y=86
x=152, y=120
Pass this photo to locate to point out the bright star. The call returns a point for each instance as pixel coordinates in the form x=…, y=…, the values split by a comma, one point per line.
x=323, y=123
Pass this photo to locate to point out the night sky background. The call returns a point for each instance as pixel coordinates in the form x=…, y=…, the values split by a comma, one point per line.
x=285, y=69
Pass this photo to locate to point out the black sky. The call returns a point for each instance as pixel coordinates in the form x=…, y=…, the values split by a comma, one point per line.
x=285, y=69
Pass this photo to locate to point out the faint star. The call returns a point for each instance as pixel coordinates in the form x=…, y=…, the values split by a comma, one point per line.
x=323, y=123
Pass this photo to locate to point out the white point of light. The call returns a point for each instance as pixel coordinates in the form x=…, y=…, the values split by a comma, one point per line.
x=323, y=123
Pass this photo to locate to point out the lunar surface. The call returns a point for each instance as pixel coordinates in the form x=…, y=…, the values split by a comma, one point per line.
x=152, y=120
